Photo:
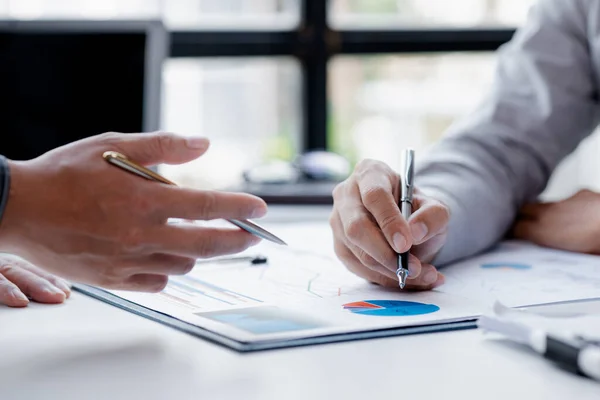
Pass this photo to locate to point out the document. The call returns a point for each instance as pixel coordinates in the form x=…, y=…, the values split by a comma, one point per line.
x=303, y=293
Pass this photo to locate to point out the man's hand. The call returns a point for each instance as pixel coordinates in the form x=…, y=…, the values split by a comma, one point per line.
x=90, y=222
x=369, y=229
x=572, y=224
x=20, y=281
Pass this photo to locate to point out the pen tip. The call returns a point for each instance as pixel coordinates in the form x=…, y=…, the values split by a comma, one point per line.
x=402, y=275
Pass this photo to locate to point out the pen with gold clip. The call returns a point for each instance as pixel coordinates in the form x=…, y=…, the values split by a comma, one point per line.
x=125, y=163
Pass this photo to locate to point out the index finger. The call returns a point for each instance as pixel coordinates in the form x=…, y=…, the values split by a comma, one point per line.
x=377, y=194
x=192, y=204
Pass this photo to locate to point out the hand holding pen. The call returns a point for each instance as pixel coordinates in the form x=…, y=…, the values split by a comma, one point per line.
x=79, y=217
x=372, y=237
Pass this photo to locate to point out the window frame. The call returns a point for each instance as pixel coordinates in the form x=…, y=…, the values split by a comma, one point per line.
x=313, y=43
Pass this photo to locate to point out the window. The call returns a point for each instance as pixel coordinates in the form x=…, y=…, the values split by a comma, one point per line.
x=388, y=14
x=248, y=107
x=231, y=14
x=268, y=79
x=381, y=104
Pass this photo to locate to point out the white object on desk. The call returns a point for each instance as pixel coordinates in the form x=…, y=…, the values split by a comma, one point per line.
x=561, y=340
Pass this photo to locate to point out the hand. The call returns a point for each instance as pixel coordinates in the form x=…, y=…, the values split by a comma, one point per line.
x=572, y=224
x=91, y=222
x=369, y=229
x=20, y=280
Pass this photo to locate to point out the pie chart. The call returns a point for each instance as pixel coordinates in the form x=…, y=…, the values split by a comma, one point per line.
x=390, y=308
x=507, y=266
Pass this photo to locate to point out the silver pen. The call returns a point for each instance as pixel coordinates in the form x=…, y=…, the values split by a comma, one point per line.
x=125, y=163
x=405, y=204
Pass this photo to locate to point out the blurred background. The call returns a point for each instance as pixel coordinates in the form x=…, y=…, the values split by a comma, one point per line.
x=385, y=87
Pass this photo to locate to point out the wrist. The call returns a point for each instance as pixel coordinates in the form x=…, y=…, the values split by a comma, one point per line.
x=11, y=221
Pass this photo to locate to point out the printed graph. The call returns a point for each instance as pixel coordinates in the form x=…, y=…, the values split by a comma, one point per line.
x=506, y=266
x=390, y=308
x=194, y=293
x=263, y=320
x=521, y=274
x=288, y=274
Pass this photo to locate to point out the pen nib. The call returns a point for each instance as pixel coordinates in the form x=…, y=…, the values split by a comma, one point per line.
x=402, y=275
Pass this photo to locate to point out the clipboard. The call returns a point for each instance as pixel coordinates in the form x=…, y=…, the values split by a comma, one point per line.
x=246, y=347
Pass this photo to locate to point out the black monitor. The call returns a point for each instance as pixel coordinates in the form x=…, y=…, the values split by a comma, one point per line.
x=62, y=81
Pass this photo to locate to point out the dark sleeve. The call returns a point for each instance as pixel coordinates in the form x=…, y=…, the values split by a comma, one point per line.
x=4, y=184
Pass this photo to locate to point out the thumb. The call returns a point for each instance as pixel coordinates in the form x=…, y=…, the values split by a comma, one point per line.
x=161, y=147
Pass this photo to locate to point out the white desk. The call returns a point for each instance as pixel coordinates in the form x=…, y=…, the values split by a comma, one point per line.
x=455, y=365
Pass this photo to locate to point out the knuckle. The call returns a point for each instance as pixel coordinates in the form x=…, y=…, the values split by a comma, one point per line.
x=365, y=164
x=132, y=239
x=338, y=190
x=387, y=220
x=366, y=259
x=206, y=246
x=109, y=278
x=374, y=195
x=165, y=141
x=369, y=165
x=6, y=268
x=208, y=203
x=355, y=228
x=109, y=137
x=440, y=209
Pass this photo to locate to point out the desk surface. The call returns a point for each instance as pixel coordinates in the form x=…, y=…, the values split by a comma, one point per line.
x=443, y=365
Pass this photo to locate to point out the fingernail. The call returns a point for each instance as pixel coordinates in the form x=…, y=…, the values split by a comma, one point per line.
x=399, y=242
x=53, y=290
x=430, y=277
x=418, y=231
x=197, y=143
x=65, y=287
x=17, y=294
x=440, y=281
x=413, y=270
x=258, y=212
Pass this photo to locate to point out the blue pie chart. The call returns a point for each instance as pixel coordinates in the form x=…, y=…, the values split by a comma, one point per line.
x=507, y=266
x=390, y=308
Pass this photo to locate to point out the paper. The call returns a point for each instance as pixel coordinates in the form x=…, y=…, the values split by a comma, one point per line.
x=519, y=274
x=305, y=292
